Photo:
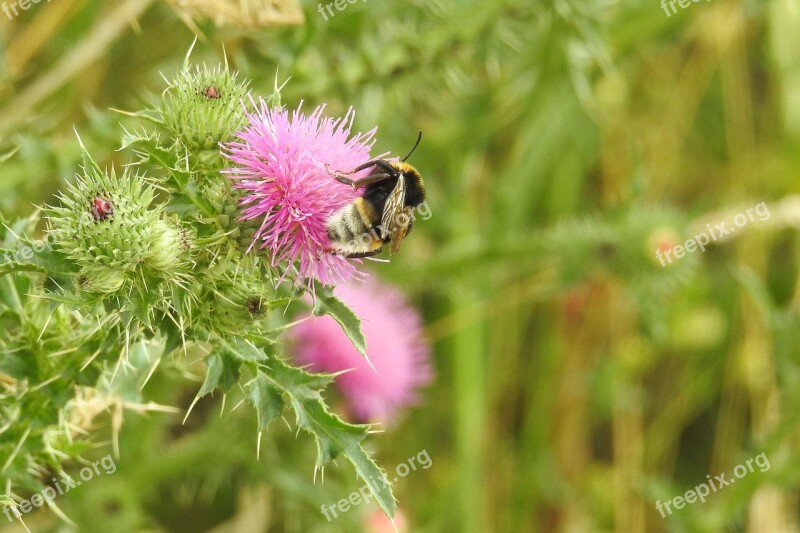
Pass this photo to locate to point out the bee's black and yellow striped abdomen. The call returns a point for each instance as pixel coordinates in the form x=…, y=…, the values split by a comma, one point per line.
x=355, y=230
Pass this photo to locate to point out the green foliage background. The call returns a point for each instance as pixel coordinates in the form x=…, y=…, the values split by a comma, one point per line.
x=578, y=381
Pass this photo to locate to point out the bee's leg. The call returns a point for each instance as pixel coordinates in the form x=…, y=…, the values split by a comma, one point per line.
x=388, y=172
x=386, y=167
x=380, y=163
x=361, y=182
x=361, y=255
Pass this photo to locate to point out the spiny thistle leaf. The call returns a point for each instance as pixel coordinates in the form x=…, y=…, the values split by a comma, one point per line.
x=11, y=261
x=267, y=400
x=326, y=303
x=333, y=436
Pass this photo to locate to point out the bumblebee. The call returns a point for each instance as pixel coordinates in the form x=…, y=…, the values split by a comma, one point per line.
x=383, y=214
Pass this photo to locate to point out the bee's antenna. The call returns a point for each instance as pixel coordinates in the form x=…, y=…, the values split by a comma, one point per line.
x=415, y=147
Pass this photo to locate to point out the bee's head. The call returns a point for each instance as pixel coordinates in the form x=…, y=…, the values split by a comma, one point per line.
x=415, y=187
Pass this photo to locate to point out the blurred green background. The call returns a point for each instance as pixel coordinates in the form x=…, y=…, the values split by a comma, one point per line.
x=578, y=381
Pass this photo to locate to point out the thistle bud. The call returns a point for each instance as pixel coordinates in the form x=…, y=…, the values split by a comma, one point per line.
x=106, y=227
x=168, y=247
x=102, y=280
x=204, y=107
x=242, y=301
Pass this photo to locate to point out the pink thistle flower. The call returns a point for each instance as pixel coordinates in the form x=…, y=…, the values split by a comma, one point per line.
x=283, y=161
x=395, y=346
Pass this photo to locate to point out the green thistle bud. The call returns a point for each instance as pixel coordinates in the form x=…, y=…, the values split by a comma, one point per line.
x=204, y=107
x=103, y=280
x=241, y=300
x=106, y=227
x=168, y=247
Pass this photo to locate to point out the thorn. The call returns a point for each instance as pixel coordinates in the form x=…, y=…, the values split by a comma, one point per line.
x=235, y=407
x=16, y=449
x=189, y=53
x=123, y=112
x=45, y=325
x=78, y=135
x=21, y=521
x=150, y=374
x=369, y=361
x=196, y=398
x=279, y=89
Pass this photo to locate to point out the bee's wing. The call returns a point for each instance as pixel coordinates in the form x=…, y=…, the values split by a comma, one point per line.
x=393, y=207
x=399, y=233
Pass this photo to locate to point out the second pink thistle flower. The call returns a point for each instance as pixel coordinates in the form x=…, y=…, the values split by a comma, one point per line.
x=395, y=345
